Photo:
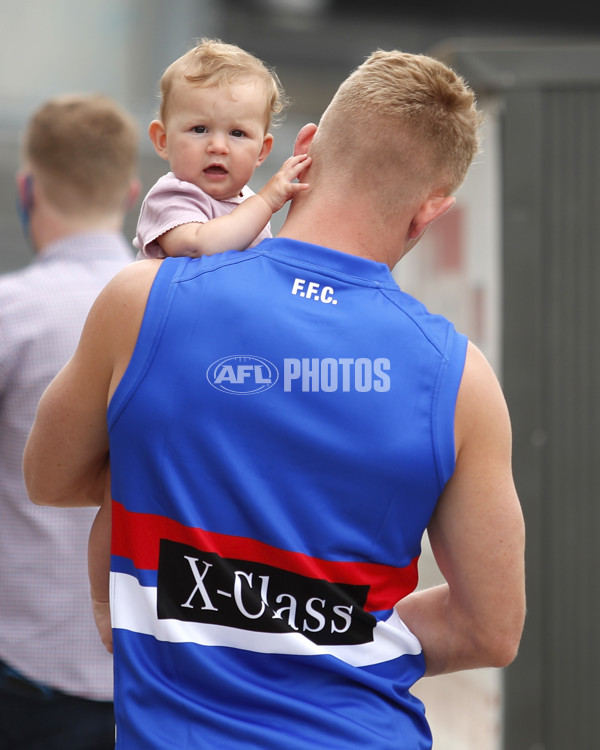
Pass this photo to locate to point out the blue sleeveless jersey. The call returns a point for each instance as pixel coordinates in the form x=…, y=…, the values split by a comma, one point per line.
x=278, y=444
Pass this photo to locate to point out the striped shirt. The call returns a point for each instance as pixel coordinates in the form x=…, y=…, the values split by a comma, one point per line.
x=46, y=627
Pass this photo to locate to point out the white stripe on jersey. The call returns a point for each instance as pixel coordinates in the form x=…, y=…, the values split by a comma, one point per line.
x=134, y=607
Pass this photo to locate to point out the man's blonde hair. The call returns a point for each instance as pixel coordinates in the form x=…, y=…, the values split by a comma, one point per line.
x=213, y=63
x=402, y=122
x=84, y=151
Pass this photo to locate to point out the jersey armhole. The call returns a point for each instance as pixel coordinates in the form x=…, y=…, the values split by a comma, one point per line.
x=159, y=299
x=444, y=410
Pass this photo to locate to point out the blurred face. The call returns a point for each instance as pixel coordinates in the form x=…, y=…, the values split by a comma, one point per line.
x=214, y=137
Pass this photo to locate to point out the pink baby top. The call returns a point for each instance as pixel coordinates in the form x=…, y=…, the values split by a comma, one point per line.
x=172, y=202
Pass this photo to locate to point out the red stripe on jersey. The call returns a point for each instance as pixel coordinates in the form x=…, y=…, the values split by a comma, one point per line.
x=387, y=584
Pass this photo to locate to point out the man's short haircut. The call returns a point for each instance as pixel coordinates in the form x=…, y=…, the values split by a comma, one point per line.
x=403, y=112
x=84, y=150
x=213, y=63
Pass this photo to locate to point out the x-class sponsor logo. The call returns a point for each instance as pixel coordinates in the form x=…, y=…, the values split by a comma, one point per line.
x=242, y=375
x=203, y=587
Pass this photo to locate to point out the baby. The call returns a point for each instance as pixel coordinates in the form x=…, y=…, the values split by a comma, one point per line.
x=217, y=102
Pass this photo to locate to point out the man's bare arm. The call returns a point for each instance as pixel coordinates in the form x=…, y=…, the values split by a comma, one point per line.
x=99, y=571
x=66, y=456
x=477, y=536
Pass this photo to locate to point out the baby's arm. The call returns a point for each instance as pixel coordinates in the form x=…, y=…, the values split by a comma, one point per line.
x=99, y=570
x=238, y=229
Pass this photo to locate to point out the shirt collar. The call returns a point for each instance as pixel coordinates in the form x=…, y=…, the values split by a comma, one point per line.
x=105, y=245
x=327, y=258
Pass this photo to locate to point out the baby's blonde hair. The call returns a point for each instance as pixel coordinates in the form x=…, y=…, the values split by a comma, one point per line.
x=213, y=63
x=406, y=121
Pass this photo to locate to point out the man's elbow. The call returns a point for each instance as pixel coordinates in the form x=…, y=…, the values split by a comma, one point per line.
x=33, y=487
x=39, y=486
x=504, y=653
x=501, y=646
x=37, y=499
x=42, y=493
x=40, y=496
x=44, y=499
x=46, y=488
x=37, y=492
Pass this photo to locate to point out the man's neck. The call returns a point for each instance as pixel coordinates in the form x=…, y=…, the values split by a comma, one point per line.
x=343, y=230
x=48, y=229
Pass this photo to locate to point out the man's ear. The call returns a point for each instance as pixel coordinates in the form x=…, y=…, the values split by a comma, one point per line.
x=430, y=210
x=158, y=136
x=266, y=149
x=304, y=139
x=135, y=187
x=25, y=190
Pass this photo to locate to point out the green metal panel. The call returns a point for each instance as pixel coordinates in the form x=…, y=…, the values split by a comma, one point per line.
x=551, y=373
x=522, y=379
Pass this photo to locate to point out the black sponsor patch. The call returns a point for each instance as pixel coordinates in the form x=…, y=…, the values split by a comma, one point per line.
x=198, y=586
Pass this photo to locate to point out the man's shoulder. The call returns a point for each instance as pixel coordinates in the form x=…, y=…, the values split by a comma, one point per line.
x=126, y=296
x=134, y=278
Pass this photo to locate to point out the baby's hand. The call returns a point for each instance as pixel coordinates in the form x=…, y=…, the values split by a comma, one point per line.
x=281, y=187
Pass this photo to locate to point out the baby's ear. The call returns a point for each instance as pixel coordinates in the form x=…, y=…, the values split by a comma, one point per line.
x=158, y=136
x=266, y=149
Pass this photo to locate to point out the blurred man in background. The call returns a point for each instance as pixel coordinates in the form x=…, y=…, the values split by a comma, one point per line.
x=78, y=180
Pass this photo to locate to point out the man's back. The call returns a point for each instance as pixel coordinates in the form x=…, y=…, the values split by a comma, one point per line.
x=261, y=509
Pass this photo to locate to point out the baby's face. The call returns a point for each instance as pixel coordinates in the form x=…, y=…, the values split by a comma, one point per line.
x=216, y=135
